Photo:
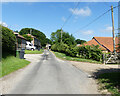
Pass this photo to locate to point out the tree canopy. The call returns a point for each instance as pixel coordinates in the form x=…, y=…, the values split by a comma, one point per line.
x=28, y=38
x=66, y=37
x=48, y=41
x=38, y=34
x=78, y=41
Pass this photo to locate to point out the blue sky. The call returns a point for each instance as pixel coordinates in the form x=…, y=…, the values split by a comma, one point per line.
x=48, y=17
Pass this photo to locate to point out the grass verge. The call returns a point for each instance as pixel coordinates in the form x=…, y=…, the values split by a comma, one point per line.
x=11, y=64
x=34, y=52
x=64, y=57
x=111, y=82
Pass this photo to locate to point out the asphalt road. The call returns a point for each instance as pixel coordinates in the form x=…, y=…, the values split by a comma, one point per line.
x=54, y=76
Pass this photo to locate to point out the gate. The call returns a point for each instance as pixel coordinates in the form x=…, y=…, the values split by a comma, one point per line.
x=113, y=58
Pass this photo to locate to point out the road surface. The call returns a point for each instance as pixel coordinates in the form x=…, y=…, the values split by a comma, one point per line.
x=54, y=76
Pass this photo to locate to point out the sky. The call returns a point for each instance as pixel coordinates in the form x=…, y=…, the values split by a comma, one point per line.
x=50, y=16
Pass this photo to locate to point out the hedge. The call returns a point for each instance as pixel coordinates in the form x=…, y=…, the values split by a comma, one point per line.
x=87, y=52
x=8, y=41
x=64, y=48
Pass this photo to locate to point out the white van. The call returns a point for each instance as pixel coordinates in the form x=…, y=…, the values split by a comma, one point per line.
x=29, y=46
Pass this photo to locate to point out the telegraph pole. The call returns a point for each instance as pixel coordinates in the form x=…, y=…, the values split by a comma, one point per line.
x=61, y=35
x=113, y=29
x=31, y=31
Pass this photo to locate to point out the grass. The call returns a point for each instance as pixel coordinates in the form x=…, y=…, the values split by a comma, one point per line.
x=64, y=57
x=34, y=52
x=10, y=64
x=111, y=82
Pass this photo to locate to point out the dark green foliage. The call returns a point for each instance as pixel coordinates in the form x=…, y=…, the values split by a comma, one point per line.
x=28, y=38
x=16, y=31
x=60, y=47
x=66, y=38
x=71, y=52
x=39, y=35
x=54, y=47
x=48, y=41
x=118, y=48
x=64, y=48
x=78, y=41
x=8, y=41
x=90, y=52
x=111, y=82
x=86, y=52
x=68, y=46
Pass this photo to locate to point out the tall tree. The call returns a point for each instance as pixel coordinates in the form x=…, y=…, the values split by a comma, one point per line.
x=56, y=36
x=38, y=34
x=78, y=41
x=48, y=41
x=28, y=38
x=66, y=37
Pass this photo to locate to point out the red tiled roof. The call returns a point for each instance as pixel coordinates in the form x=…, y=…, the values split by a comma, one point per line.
x=31, y=35
x=19, y=36
x=105, y=43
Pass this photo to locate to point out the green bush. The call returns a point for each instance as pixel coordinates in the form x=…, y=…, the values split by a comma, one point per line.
x=71, y=51
x=8, y=40
x=59, y=47
x=28, y=38
x=62, y=47
x=90, y=52
x=54, y=47
x=86, y=52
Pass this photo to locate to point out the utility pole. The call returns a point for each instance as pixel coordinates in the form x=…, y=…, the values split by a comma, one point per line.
x=31, y=31
x=113, y=29
x=61, y=35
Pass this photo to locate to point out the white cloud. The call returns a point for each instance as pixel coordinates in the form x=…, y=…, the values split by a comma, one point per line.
x=108, y=29
x=81, y=12
x=63, y=19
x=87, y=32
x=4, y=24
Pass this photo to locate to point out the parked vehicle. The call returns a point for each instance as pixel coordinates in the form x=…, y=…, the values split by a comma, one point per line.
x=29, y=46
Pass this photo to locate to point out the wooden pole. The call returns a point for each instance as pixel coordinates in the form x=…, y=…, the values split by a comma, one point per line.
x=113, y=29
x=61, y=35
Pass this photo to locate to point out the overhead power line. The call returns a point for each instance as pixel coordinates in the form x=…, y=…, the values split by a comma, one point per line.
x=70, y=15
x=95, y=19
x=68, y=19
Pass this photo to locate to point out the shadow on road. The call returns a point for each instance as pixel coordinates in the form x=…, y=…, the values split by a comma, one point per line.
x=109, y=77
x=101, y=71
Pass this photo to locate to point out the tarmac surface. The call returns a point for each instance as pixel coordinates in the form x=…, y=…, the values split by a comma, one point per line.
x=50, y=75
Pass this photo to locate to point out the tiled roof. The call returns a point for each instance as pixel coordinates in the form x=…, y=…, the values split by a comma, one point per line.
x=106, y=43
x=19, y=36
x=31, y=35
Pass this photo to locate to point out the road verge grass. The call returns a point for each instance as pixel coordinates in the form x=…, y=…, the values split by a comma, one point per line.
x=10, y=64
x=111, y=82
x=34, y=52
x=65, y=57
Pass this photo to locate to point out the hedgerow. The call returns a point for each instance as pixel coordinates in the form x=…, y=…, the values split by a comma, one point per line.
x=90, y=52
x=8, y=41
x=87, y=52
